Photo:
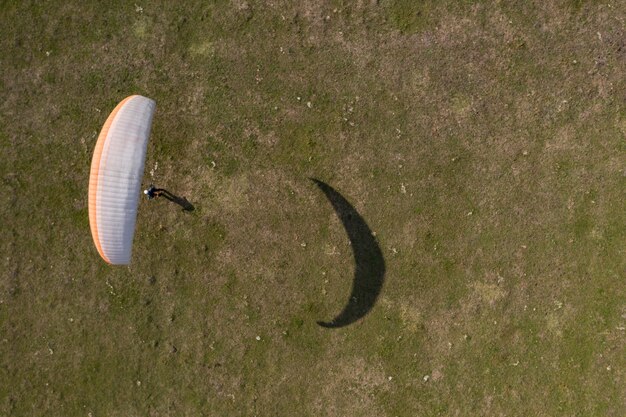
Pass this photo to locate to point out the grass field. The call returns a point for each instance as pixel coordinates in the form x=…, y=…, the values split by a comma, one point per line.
x=483, y=142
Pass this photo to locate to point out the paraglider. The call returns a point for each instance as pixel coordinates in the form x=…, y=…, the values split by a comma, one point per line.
x=115, y=179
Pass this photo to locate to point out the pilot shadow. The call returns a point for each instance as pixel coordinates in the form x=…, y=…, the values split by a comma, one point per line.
x=368, y=258
x=181, y=201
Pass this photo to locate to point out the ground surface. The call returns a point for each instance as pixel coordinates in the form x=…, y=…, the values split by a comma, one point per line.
x=483, y=142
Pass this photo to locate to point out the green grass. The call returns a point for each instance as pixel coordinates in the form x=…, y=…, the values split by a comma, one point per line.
x=483, y=143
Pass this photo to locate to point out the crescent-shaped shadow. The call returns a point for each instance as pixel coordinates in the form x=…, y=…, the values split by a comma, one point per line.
x=369, y=271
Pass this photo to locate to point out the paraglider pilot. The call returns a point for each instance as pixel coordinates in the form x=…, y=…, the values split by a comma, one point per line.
x=153, y=192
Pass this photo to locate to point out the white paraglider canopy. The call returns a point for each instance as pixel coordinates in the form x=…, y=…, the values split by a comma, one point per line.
x=115, y=179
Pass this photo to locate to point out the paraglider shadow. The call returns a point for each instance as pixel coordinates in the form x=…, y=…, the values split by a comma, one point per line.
x=368, y=258
x=181, y=201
